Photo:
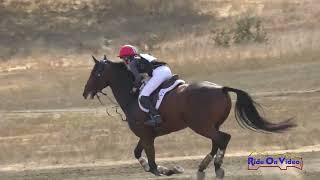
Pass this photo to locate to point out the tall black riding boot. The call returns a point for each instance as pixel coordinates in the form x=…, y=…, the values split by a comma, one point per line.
x=154, y=116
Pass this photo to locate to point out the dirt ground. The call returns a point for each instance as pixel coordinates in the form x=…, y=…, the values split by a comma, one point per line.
x=235, y=168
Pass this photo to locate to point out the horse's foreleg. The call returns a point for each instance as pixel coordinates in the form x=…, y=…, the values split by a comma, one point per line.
x=161, y=169
x=137, y=153
x=148, y=146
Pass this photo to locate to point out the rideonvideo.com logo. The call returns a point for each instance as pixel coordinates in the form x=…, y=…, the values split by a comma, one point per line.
x=282, y=161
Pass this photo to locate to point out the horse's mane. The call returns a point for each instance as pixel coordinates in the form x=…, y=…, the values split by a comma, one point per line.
x=121, y=67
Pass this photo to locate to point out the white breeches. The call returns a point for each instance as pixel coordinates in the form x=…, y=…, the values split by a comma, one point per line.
x=159, y=75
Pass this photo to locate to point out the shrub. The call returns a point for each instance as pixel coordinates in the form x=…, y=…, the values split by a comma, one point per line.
x=246, y=30
x=249, y=29
x=222, y=38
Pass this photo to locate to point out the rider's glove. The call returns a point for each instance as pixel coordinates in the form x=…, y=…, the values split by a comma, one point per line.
x=137, y=84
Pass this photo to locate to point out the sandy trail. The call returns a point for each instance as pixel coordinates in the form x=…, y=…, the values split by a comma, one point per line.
x=235, y=166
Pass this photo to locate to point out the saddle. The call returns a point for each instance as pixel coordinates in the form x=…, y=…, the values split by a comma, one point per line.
x=167, y=86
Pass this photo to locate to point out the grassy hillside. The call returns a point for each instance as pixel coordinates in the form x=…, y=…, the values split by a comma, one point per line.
x=177, y=31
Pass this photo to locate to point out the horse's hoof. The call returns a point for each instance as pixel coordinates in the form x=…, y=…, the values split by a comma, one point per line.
x=220, y=173
x=163, y=170
x=201, y=175
x=144, y=163
x=156, y=173
x=178, y=169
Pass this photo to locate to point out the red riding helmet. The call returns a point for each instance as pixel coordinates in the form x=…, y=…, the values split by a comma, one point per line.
x=127, y=50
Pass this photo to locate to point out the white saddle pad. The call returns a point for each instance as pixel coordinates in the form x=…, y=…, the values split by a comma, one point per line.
x=162, y=94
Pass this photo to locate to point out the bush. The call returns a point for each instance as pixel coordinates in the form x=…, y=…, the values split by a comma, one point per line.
x=222, y=38
x=249, y=29
x=246, y=30
x=261, y=34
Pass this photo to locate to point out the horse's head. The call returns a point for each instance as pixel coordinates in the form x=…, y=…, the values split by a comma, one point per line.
x=106, y=72
x=99, y=78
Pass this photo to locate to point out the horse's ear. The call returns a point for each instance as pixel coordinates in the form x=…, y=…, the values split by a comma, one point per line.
x=105, y=57
x=95, y=60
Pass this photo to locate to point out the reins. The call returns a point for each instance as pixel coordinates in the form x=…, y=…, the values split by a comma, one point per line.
x=114, y=106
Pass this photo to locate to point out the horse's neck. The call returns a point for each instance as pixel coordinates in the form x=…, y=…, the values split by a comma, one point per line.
x=122, y=94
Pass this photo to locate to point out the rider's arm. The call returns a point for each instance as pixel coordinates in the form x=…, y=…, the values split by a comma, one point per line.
x=133, y=67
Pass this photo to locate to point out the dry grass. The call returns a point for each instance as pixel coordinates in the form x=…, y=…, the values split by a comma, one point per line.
x=74, y=29
x=52, y=88
x=67, y=138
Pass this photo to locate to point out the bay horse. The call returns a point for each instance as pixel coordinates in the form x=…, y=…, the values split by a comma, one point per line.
x=201, y=106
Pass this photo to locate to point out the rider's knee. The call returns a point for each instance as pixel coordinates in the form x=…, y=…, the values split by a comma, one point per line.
x=144, y=101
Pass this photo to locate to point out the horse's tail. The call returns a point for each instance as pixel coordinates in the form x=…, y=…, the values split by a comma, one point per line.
x=248, y=116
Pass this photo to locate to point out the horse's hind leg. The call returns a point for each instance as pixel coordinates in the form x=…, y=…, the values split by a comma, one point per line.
x=222, y=139
x=206, y=161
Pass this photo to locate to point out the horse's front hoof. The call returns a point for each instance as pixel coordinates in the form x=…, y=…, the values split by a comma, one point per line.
x=201, y=175
x=178, y=169
x=155, y=172
x=220, y=173
x=144, y=163
x=163, y=170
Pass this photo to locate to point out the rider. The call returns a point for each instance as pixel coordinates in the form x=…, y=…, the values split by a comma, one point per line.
x=158, y=71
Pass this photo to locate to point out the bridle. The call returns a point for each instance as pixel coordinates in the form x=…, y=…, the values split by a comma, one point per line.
x=115, y=104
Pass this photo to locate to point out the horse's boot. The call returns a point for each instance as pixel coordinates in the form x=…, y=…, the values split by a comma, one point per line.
x=154, y=116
